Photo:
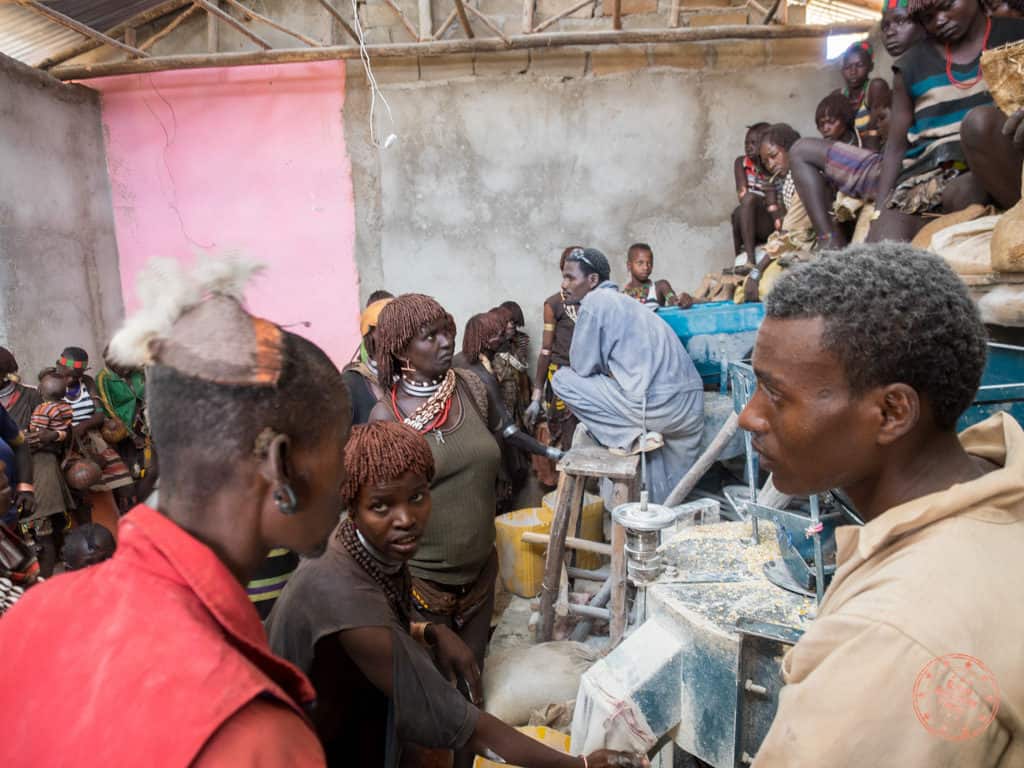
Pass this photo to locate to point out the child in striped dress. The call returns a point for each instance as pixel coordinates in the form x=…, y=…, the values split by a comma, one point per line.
x=48, y=434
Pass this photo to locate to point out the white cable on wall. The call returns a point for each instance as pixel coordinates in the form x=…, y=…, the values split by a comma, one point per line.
x=375, y=91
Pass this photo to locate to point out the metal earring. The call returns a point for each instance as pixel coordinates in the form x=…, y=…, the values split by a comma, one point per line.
x=285, y=499
x=406, y=368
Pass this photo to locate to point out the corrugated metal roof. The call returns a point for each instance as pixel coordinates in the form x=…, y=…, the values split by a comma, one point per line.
x=29, y=37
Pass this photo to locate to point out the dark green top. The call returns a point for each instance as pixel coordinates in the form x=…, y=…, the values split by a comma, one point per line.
x=460, y=535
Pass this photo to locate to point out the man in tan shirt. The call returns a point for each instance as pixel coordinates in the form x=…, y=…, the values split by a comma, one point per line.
x=865, y=361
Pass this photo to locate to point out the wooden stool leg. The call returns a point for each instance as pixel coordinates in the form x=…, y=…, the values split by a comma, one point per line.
x=617, y=626
x=556, y=555
x=575, y=512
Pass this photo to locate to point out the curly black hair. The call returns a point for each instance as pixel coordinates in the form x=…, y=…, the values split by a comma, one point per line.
x=781, y=135
x=835, y=105
x=592, y=262
x=892, y=313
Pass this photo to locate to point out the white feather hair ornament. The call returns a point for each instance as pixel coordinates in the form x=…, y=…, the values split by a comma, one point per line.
x=166, y=291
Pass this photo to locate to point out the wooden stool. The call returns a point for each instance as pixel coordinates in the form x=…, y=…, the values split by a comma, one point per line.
x=575, y=467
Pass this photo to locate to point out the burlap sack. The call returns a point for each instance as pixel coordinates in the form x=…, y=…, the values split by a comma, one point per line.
x=1003, y=68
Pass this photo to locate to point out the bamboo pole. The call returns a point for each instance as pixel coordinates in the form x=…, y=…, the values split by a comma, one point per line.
x=129, y=37
x=176, y=22
x=486, y=21
x=77, y=26
x=567, y=12
x=704, y=461
x=426, y=19
x=273, y=24
x=231, y=21
x=449, y=20
x=92, y=44
x=464, y=19
x=571, y=542
x=528, y=6
x=616, y=14
x=446, y=47
x=340, y=19
x=402, y=18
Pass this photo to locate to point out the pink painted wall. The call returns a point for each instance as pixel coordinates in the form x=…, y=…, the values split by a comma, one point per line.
x=246, y=160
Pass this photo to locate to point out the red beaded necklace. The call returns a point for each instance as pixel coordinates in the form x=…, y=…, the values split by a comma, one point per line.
x=965, y=84
x=439, y=421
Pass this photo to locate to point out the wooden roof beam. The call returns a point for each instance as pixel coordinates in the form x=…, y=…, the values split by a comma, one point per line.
x=446, y=47
x=231, y=21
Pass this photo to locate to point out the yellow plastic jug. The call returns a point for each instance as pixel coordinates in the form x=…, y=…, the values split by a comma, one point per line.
x=591, y=527
x=520, y=564
x=554, y=739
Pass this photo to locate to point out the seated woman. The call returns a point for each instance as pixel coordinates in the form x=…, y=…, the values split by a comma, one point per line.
x=820, y=168
x=794, y=236
x=867, y=98
x=834, y=118
x=346, y=620
x=751, y=221
x=947, y=148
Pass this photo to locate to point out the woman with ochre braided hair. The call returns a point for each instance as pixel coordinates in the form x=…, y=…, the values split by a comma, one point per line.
x=481, y=341
x=347, y=620
x=455, y=567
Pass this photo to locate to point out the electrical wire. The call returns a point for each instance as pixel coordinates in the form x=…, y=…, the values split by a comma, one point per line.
x=375, y=91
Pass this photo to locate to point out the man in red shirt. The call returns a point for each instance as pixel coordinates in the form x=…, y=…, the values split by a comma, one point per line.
x=156, y=656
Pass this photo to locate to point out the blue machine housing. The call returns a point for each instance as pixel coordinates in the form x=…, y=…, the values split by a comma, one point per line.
x=1002, y=386
x=711, y=331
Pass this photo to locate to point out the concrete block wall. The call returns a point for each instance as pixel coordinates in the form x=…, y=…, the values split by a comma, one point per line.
x=504, y=159
x=59, y=282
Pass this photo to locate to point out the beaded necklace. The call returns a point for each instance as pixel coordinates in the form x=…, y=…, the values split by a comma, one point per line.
x=571, y=310
x=432, y=414
x=399, y=598
x=860, y=96
x=965, y=84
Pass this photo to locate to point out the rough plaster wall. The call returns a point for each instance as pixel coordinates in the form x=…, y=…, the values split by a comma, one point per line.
x=492, y=177
x=59, y=282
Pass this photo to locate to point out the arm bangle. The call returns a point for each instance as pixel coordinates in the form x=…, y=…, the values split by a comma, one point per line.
x=25, y=488
x=418, y=630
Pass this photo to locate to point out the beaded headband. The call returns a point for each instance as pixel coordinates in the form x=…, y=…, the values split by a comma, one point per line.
x=77, y=365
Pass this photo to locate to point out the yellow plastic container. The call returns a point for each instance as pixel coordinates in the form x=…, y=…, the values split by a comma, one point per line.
x=521, y=564
x=554, y=739
x=591, y=527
